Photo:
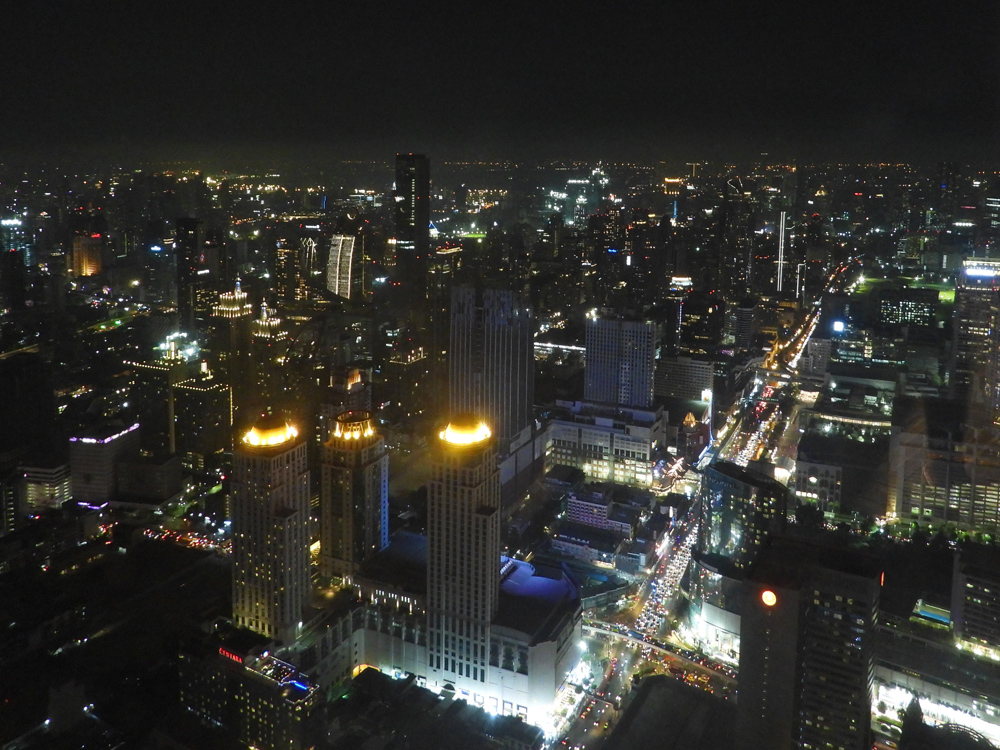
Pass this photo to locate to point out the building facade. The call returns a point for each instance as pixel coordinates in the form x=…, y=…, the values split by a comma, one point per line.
x=491, y=359
x=463, y=562
x=354, y=495
x=270, y=528
x=621, y=355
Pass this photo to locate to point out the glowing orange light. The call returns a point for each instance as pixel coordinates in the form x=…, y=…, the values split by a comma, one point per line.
x=769, y=598
x=465, y=434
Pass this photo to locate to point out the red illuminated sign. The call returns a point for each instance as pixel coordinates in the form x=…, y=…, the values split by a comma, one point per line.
x=230, y=655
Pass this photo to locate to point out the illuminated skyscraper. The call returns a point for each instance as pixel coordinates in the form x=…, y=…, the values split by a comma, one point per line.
x=270, y=515
x=338, y=265
x=463, y=555
x=268, y=340
x=14, y=238
x=290, y=274
x=354, y=495
x=974, y=365
x=87, y=255
x=492, y=359
x=621, y=357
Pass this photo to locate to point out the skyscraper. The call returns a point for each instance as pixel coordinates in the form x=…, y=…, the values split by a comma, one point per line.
x=807, y=653
x=463, y=555
x=621, y=358
x=491, y=358
x=338, y=265
x=233, y=315
x=974, y=365
x=203, y=418
x=270, y=514
x=413, y=218
x=187, y=250
x=354, y=495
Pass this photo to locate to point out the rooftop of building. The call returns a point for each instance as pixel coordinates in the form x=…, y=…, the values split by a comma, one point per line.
x=815, y=447
x=676, y=409
x=565, y=476
x=624, y=514
x=786, y=561
x=402, y=565
x=746, y=475
x=104, y=433
x=270, y=431
x=579, y=533
x=531, y=603
x=378, y=710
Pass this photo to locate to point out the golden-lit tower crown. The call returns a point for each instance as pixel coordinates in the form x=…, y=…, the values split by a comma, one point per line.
x=465, y=430
x=353, y=425
x=267, y=326
x=234, y=304
x=270, y=431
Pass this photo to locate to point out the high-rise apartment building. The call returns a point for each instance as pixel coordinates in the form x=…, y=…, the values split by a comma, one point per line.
x=621, y=356
x=807, y=650
x=270, y=527
x=684, y=377
x=354, y=495
x=463, y=554
x=491, y=358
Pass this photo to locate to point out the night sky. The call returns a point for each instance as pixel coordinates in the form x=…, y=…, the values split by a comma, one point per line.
x=879, y=80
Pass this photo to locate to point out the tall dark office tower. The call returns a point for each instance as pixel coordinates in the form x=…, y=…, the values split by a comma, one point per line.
x=268, y=342
x=621, y=359
x=413, y=219
x=807, y=650
x=27, y=402
x=463, y=554
x=203, y=418
x=232, y=316
x=13, y=280
x=354, y=495
x=187, y=249
x=270, y=510
x=491, y=357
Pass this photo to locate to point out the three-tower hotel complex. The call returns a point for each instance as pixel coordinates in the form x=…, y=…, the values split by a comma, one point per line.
x=447, y=609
